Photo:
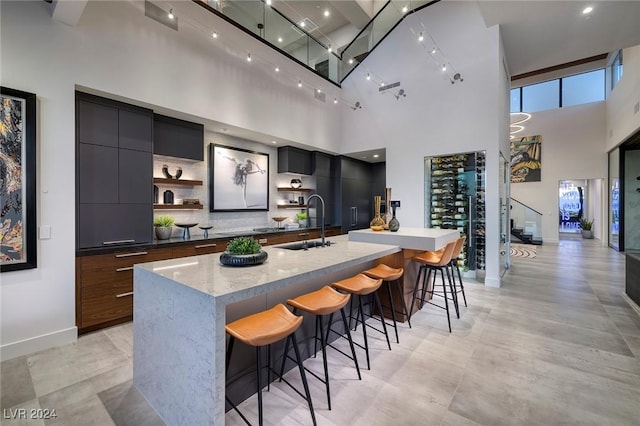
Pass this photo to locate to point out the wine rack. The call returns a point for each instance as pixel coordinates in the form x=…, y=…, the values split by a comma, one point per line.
x=456, y=199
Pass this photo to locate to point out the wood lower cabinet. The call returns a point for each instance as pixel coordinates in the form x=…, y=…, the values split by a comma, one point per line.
x=104, y=282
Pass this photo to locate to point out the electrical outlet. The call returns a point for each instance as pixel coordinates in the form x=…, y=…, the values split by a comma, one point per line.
x=44, y=233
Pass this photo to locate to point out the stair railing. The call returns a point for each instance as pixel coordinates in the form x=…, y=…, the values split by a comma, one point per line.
x=526, y=219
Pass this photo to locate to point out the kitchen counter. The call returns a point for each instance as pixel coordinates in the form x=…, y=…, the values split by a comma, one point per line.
x=180, y=311
x=408, y=238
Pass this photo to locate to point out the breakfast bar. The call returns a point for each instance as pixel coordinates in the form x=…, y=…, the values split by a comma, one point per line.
x=181, y=307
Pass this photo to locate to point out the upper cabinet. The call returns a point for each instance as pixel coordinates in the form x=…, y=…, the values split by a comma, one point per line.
x=294, y=160
x=178, y=138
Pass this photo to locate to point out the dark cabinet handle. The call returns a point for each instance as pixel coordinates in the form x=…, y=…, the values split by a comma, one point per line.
x=137, y=253
x=303, y=234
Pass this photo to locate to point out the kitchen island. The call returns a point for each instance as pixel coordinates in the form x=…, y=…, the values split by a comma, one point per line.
x=412, y=241
x=181, y=307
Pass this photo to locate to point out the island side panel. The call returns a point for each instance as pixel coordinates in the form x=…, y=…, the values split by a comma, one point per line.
x=178, y=336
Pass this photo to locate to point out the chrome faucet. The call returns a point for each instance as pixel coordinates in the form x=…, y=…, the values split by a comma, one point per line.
x=312, y=196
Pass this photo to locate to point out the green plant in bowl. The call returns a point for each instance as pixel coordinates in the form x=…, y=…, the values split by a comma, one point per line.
x=244, y=245
x=163, y=221
x=585, y=224
x=301, y=217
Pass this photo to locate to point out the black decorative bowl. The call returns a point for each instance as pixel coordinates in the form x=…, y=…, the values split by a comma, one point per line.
x=230, y=259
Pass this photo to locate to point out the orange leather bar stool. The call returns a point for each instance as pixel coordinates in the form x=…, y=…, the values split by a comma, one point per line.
x=320, y=303
x=362, y=285
x=434, y=261
x=263, y=329
x=454, y=264
x=388, y=274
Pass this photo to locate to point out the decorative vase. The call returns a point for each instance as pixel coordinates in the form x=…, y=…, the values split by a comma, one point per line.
x=230, y=259
x=163, y=232
x=387, y=204
x=587, y=234
x=296, y=183
x=377, y=223
x=394, y=223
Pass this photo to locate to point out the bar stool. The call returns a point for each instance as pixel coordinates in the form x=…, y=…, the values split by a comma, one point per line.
x=263, y=329
x=362, y=285
x=454, y=264
x=320, y=303
x=388, y=274
x=434, y=261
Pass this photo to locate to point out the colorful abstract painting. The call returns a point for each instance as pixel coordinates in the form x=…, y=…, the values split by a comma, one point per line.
x=17, y=180
x=526, y=157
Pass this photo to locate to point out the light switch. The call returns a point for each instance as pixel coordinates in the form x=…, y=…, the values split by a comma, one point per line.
x=45, y=232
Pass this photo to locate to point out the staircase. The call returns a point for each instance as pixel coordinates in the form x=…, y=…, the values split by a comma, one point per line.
x=526, y=224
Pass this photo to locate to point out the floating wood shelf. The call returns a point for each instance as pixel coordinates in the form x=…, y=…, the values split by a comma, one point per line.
x=184, y=182
x=177, y=206
x=292, y=206
x=295, y=190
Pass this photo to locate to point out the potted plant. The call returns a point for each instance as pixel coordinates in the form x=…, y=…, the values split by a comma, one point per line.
x=243, y=251
x=302, y=218
x=163, y=226
x=586, y=226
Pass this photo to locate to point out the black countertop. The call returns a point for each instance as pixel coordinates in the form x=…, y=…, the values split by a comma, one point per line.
x=213, y=237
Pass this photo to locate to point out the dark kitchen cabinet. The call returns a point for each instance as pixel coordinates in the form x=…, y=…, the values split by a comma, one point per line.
x=114, y=165
x=324, y=169
x=294, y=160
x=355, y=191
x=178, y=138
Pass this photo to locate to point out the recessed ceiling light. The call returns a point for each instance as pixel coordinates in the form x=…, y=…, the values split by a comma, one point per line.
x=326, y=13
x=421, y=37
x=433, y=51
x=405, y=9
x=319, y=90
x=368, y=76
x=170, y=14
x=302, y=24
x=335, y=100
x=300, y=83
x=587, y=10
x=248, y=57
x=214, y=35
x=350, y=61
x=375, y=156
x=444, y=67
x=329, y=49
x=279, y=39
x=277, y=69
x=268, y=2
x=274, y=142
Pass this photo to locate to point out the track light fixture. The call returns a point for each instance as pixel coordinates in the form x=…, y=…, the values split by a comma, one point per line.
x=248, y=57
x=170, y=14
x=335, y=100
x=214, y=35
x=299, y=83
x=420, y=37
x=368, y=76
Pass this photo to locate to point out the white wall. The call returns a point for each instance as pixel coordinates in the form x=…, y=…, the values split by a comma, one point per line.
x=436, y=117
x=572, y=148
x=622, y=121
x=116, y=50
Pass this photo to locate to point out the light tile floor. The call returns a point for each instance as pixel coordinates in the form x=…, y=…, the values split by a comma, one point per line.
x=557, y=344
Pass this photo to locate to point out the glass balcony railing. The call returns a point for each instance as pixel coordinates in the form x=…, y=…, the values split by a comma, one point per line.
x=266, y=23
x=526, y=223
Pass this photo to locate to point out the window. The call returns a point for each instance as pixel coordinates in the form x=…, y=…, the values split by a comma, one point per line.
x=583, y=88
x=541, y=96
x=515, y=100
x=616, y=69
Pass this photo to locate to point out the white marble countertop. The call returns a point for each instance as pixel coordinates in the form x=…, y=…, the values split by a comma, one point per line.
x=283, y=267
x=408, y=238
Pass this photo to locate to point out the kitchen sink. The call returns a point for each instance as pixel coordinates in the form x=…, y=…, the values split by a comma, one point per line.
x=304, y=245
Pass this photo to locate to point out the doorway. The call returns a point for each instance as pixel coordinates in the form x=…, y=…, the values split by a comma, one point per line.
x=581, y=199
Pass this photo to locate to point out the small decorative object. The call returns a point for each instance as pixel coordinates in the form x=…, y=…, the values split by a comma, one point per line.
x=586, y=226
x=302, y=219
x=185, y=226
x=165, y=172
x=387, y=208
x=243, y=251
x=301, y=200
x=377, y=224
x=162, y=225
x=168, y=197
x=178, y=172
x=206, y=230
x=279, y=220
x=191, y=201
x=156, y=195
x=296, y=183
x=394, y=223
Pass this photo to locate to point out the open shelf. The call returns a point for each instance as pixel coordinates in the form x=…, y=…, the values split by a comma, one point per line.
x=184, y=182
x=295, y=190
x=177, y=206
x=292, y=206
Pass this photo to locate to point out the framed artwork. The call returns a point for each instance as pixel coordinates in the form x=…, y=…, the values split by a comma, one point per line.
x=526, y=158
x=18, y=240
x=238, y=179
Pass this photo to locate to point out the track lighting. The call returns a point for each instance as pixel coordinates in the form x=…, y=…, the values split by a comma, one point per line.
x=248, y=57
x=368, y=76
x=214, y=35
x=444, y=67
x=300, y=83
x=433, y=50
x=335, y=100
x=421, y=37
x=170, y=15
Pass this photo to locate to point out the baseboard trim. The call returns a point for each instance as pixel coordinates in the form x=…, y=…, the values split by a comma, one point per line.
x=38, y=343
